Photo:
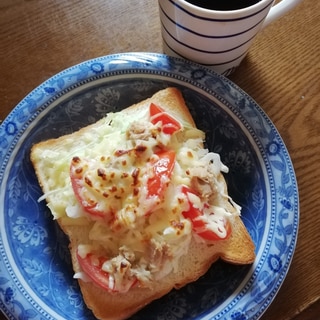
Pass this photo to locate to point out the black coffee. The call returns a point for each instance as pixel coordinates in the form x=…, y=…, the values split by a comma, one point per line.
x=223, y=5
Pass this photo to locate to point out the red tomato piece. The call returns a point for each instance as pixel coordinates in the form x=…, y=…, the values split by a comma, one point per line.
x=95, y=273
x=162, y=169
x=101, y=278
x=210, y=235
x=198, y=224
x=89, y=205
x=169, y=124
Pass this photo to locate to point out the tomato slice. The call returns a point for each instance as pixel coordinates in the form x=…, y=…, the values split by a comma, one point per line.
x=169, y=124
x=92, y=266
x=210, y=235
x=162, y=169
x=95, y=273
x=89, y=204
x=198, y=224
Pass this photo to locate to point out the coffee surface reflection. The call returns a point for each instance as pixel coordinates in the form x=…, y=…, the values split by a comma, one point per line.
x=223, y=5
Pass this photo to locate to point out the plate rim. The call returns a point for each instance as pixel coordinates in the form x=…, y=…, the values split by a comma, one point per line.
x=96, y=70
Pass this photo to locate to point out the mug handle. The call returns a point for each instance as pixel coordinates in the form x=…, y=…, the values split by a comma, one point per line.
x=279, y=10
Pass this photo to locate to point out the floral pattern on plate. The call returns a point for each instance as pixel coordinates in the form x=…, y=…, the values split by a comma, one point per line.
x=36, y=277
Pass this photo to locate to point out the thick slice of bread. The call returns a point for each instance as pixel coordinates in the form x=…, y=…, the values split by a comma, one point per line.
x=238, y=248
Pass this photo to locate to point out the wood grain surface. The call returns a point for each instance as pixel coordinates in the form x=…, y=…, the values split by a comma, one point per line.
x=281, y=73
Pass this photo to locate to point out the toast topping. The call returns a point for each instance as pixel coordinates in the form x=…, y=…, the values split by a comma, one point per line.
x=143, y=204
x=146, y=199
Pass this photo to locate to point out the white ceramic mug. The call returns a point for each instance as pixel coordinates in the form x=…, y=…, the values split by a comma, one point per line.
x=216, y=39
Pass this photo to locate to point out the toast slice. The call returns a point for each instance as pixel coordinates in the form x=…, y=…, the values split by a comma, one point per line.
x=191, y=254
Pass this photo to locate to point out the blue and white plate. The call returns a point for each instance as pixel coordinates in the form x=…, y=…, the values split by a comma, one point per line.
x=36, y=277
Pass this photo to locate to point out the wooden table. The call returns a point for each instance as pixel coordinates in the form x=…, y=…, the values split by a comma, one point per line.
x=281, y=72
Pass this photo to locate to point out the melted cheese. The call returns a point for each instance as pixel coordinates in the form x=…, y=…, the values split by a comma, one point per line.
x=149, y=234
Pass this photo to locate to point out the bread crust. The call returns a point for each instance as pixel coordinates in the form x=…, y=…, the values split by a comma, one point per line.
x=237, y=249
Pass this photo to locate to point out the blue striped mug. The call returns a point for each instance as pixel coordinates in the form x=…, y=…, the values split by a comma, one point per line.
x=218, y=39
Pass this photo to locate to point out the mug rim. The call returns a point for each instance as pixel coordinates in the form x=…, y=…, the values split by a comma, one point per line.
x=203, y=10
